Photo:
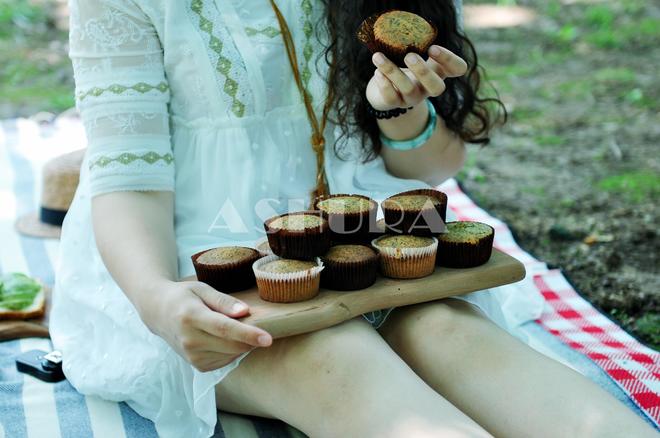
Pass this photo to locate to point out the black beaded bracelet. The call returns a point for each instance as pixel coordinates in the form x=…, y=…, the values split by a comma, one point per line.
x=389, y=114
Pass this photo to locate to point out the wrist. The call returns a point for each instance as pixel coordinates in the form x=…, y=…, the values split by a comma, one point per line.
x=408, y=125
x=410, y=134
x=153, y=299
x=387, y=114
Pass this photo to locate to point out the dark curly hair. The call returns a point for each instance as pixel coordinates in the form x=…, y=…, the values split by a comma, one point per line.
x=462, y=108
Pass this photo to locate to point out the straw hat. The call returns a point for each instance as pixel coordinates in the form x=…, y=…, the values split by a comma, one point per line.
x=59, y=183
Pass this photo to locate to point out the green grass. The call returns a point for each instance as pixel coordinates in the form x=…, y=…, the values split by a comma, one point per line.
x=599, y=16
x=638, y=98
x=550, y=140
x=18, y=15
x=526, y=114
x=34, y=74
x=646, y=326
x=633, y=7
x=538, y=191
x=568, y=33
x=636, y=186
x=575, y=89
x=649, y=326
x=615, y=75
x=612, y=26
x=41, y=83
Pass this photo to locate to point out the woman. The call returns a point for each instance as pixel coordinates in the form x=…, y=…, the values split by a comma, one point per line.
x=194, y=119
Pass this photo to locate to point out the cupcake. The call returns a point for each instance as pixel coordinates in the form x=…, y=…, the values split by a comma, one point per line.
x=287, y=281
x=396, y=33
x=419, y=212
x=350, y=216
x=349, y=267
x=303, y=235
x=263, y=247
x=406, y=256
x=226, y=269
x=465, y=244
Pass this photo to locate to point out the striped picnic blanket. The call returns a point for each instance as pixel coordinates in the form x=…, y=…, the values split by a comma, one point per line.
x=30, y=408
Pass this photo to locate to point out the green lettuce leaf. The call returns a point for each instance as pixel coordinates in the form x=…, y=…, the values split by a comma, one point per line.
x=17, y=291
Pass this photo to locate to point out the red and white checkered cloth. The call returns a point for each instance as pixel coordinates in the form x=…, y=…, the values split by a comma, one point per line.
x=569, y=317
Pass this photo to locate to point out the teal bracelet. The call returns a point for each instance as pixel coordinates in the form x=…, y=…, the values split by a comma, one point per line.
x=414, y=143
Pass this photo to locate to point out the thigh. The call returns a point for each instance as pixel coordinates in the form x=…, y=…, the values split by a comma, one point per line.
x=473, y=363
x=447, y=322
x=311, y=360
x=341, y=380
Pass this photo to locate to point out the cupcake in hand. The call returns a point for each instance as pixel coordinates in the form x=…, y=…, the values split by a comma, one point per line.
x=465, y=244
x=396, y=33
x=226, y=269
x=303, y=235
x=406, y=256
x=287, y=281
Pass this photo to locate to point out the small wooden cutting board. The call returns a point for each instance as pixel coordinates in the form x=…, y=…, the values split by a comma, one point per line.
x=332, y=307
x=29, y=328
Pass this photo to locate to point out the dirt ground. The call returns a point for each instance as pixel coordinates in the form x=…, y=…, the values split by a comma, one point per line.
x=578, y=161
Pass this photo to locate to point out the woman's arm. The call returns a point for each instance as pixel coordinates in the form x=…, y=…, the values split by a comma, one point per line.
x=123, y=95
x=196, y=320
x=442, y=156
x=145, y=255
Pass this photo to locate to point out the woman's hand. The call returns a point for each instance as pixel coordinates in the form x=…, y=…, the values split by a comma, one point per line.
x=198, y=323
x=392, y=87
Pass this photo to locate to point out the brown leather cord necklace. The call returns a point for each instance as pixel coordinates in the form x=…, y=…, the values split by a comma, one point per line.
x=318, y=127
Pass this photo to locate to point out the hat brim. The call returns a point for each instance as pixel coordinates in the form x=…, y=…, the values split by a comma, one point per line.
x=31, y=225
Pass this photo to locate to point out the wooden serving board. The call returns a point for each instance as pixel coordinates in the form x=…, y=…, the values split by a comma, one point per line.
x=332, y=307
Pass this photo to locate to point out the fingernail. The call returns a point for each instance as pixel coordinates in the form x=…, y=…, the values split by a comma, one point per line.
x=238, y=307
x=435, y=50
x=263, y=340
x=379, y=59
x=411, y=58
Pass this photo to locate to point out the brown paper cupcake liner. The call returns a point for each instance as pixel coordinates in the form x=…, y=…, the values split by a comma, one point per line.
x=423, y=222
x=365, y=35
x=287, y=287
x=349, y=227
x=263, y=247
x=226, y=278
x=299, y=244
x=465, y=254
x=407, y=263
x=347, y=276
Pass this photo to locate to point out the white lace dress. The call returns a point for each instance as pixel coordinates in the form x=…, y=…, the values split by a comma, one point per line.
x=195, y=97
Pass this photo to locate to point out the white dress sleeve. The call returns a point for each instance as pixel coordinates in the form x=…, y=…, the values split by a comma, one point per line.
x=122, y=95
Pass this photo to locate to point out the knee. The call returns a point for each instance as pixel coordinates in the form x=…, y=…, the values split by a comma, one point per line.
x=334, y=352
x=447, y=323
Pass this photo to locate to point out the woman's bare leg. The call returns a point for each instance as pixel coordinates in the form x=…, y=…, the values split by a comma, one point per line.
x=341, y=381
x=508, y=388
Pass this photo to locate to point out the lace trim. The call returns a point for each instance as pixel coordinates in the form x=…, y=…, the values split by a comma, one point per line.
x=128, y=158
x=112, y=31
x=308, y=49
x=140, y=87
x=269, y=31
x=224, y=64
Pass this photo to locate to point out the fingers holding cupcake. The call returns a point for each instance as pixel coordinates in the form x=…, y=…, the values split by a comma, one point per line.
x=410, y=67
